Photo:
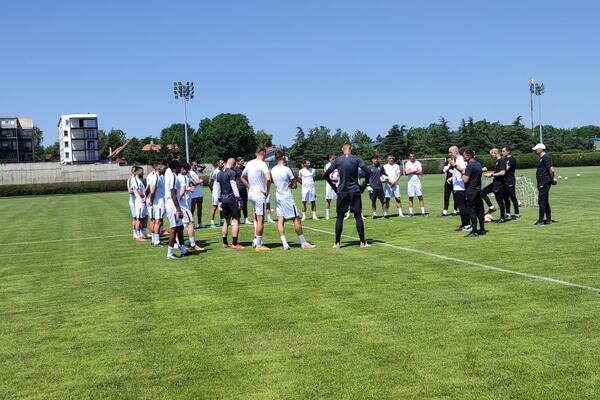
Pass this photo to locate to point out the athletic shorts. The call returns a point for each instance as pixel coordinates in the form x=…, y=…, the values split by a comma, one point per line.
x=329, y=193
x=352, y=200
x=132, y=209
x=216, y=201
x=392, y=191
x=309, y=194
x=230, y=211
x=414, y=189
x=140, y=210
x=174, y=220
x=286, y=208
x=157, y=211
x=259, y=201
x=187, y=216
x=377, y=194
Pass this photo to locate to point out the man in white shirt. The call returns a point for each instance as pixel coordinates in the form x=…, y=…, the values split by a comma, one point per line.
x=307, y=175
x=173, y=208
x=330, y=194
x=458, y=187
x=185, y=201
x=257, y=178
x=156, y=200
x=139, y=192
x=219, y=164
x=392, y=187
x=284, y=182
x=197, y=194
x=131, y=185
x=413, y=169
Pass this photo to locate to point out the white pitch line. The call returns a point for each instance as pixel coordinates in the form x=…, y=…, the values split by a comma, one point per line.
x=473, y=263
x=61, y=240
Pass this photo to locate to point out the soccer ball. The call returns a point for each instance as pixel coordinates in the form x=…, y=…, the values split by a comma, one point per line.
x=489, y=217
x=559, y=177
x=578, y=175
x=566, y=178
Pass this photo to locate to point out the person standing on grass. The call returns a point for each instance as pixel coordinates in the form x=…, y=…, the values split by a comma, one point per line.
x=215, y=199
x=173, y=208
x=131, y=185
x=329, y=193
x=458, y=188
x=140, y=203
x=349, y=192
x=375, y=186
x=392, y=187
x=229, y=195
x=484, y=195
x=472, y=180
x=497, y=185
x=448, y=187
x=238, y=169
x=306, y=176
x=544, y=176
x=156, y=202
x=510, y=194
x=413, y=169
x=185, y=201
x=284, y=182
x=257, y=178
x=198, y=193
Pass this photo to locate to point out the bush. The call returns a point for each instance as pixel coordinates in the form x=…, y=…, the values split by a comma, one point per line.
x=62, y=188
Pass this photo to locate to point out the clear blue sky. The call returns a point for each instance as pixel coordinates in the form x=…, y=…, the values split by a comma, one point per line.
x=348, y=64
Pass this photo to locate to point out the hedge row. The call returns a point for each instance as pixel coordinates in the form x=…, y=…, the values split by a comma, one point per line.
x=529, y=160
x=61, y=188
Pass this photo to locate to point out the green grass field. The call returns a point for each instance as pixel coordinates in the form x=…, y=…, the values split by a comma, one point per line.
x=86, y=312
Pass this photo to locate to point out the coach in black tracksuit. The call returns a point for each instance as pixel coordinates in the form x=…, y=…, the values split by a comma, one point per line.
x=497, y=185
x=545, y=179
x=510, y=182
x=448, y=186
x=472, y=179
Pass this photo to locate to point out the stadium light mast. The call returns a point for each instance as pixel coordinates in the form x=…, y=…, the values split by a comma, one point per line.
x=186, y=93
x=537, y=89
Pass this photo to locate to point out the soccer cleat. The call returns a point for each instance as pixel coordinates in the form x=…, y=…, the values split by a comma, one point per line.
x=197, y=249
x=286, y=248
x=141, y=238
x=364, y=245
x=386, y=216
x=444, y=213
x=304, y=218
x=187, y=253
x=481, y=232
x=315, y=218
x=459, y=229
x=236, y=247
x=327, y=218
x=172, y=257
x=262, y=248
x=347, y=216
x=549, y=222
x=213, y=226
x=472, y=234
x=516, y=217
x=307, y=245
x=411, y=215
x=539, y=223
x=491, y=209
x=336, y=246
x=467, y=228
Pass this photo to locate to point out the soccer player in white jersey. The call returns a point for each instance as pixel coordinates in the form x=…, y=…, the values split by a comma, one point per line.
x=284, y=182
x=197, y=194
x=215, y=198
x=391, y=187
x=131, y=184
x=307, y=175
x=185, y=202
x=140, y=203
x=156, y=200
x=330, y=194
x=257, y=178
x=174, y=212
x=413, y=169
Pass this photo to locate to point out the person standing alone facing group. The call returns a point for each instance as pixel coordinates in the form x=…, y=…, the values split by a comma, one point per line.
x=545, y=179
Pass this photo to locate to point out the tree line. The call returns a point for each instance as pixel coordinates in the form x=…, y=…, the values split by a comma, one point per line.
x=230, y=135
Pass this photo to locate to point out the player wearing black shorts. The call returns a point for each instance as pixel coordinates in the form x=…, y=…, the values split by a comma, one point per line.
x=545, y=179
x=375, y=185
x=472, y=179
x=497, y=185
x=348, y=191
x=229, y=196
x=510, y=194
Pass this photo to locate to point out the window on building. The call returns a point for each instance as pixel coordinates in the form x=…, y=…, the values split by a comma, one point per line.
x=66, y=144
x=91, y=145
x=65, y=133
x=89, y=123
x=67, y=154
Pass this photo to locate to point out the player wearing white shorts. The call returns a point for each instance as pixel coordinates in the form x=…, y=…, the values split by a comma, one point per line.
x=257, y=178
x=156, y=200
x=284, y=181
x=413, y=169
x=330, y=194
x=215, y=199
x=131, y=183
x=185, y=202
x=174, y=212
x=306, y=177
x=198, y=193
x=392, y=187
x=139, y=203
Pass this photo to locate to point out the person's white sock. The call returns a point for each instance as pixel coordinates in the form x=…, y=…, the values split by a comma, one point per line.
x=314, y=214
x=284, y=241
x=303, y=215
x=400, y=213
x=301, y=239
x=169, y=251
x=192, y=241
x=385, y=212
x=410, y=210
x=327, y=212
x=422, y=210
x=134, y=233
x=258, y=240
x=212, y=221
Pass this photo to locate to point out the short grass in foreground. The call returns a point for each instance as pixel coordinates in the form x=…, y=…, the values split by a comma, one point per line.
x=108, y=317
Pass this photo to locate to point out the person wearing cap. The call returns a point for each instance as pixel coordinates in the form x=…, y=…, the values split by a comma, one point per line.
x=545, y=178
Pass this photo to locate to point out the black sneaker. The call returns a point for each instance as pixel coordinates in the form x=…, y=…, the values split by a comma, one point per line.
x=472, y=234
x=482, y=232
x=550, y=222
x=459, y=229
x=539, y=223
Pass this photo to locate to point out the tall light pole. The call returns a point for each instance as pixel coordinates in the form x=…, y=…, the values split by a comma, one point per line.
x=186, y=93
x=538, y=90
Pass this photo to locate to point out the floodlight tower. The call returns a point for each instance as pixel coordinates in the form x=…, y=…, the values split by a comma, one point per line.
x=538, y=89
x=186, y=93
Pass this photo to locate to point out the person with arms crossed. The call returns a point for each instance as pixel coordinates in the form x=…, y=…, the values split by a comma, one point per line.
x=374, y=185
x=472, y=180
x=227, y=188
x=198, y=193
x=392, y=187
x=156, y=202
x=329, y=192
x=215, y=199
x=510, y=194
x=413, y=169
x=448, y=187
x=173, y=209
x=185, y=202
x=306, y=176
x=284, y=182
x=349, y=192
x=140, y=203
x=544, y=176
x=257, y=179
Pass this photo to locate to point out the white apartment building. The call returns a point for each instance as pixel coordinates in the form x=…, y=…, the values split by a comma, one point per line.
x=78, y=138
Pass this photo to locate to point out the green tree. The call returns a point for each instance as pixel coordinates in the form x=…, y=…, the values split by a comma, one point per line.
x=298, y=147
x=102, y=144
x=175, y=135
x=226, y=135
x=394, y=142
x=336, y=142
x=53, y=150
x=263, y=138
x=38, y=147
x=363, y=145
x=134, y=154
x=474, y=135
x=114, y=139
x=319, y=145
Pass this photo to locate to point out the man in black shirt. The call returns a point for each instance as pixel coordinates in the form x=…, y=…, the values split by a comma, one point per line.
x=510, y=194
x=238, y=169
x=497, y=185
x=229, y=196
x=545, y=179
x=448, y=186
x=374, y=186
x=472, y=180
x=348, y=191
